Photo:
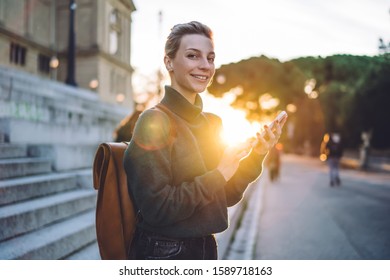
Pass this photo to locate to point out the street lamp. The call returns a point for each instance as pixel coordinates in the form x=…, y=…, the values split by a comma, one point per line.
x=93, y=84
x=54, y=63
x=70, y=79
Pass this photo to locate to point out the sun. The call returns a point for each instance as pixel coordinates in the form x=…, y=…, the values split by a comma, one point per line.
x=236, y=128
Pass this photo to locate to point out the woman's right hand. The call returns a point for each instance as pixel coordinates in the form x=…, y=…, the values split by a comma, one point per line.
x=231, y=159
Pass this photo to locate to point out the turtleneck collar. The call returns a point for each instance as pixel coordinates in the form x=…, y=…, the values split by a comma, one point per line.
x=181, y=106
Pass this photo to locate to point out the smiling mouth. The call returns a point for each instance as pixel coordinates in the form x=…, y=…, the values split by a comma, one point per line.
x=199, y=77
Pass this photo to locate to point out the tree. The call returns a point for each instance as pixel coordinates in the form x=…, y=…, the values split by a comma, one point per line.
x=353, y=92
x=371, y=110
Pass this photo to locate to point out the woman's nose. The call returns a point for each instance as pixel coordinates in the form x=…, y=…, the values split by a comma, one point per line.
x=205, y=64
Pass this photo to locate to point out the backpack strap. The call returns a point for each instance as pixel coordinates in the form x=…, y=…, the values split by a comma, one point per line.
x=161, y=107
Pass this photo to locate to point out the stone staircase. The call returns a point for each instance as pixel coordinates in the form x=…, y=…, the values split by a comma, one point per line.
x=49, y=133
x=44, y=214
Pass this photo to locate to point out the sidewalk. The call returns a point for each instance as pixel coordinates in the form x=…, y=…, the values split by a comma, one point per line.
x=238, y=241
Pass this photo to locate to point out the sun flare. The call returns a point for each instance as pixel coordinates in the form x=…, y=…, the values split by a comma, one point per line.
x=236, y=127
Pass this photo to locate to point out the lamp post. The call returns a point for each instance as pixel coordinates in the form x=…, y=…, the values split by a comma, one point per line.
x=70, y=79
x=54, y=63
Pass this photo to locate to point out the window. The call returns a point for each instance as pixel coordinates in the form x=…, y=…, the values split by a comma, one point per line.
x=114, y=33
x=114, y=17
x=44, y=63
x=17, y=54
x=113, y=42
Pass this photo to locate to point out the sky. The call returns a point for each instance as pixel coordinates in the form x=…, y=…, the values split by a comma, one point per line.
x=281, y=29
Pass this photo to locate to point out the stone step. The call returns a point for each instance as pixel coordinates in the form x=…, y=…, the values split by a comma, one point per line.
x=20, y=167
x=8, y=150
x=65, y=157
x=20, y=218
x=19, y=189
x=89, y=252
x=54, y=241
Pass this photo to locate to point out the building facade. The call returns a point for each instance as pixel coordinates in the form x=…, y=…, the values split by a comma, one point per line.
x=34, y=37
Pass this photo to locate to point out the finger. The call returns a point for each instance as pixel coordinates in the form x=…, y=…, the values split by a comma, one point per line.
x=262, y=146
x=261, y=139
x=278, y=129
x=283, y=122
x=273, y=137
x=270, y=134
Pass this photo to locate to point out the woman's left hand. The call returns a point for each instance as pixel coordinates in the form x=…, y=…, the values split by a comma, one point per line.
x=270, y=138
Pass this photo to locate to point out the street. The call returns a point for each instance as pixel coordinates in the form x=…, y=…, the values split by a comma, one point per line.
x=303, y=218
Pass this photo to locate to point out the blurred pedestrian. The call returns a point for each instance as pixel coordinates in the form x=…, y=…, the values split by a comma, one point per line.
x=365, y=150
x=273, y=162
x=181, y=176
x=332, y=148
x=125, y=129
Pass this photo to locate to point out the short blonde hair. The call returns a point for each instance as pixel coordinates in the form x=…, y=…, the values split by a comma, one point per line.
x=179, y=30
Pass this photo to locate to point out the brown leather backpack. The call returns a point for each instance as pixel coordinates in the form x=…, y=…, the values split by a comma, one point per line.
x=115, y=211
x=115, y=214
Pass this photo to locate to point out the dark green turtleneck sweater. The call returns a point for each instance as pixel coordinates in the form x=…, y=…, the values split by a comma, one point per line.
x=171, y=166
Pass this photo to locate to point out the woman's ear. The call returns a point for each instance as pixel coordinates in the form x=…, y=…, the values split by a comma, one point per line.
x=168, y=63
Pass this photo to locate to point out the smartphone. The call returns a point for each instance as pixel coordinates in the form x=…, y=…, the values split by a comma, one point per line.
x=280, y=118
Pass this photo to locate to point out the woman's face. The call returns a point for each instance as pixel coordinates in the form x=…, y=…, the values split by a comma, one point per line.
x=193, y=66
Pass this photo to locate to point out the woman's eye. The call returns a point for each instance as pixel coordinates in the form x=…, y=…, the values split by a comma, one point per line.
x=192, y=56
x=211, y=59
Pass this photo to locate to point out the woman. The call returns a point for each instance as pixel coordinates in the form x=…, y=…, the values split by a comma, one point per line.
x=180, y=176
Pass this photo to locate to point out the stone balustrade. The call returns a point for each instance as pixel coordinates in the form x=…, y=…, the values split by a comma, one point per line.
x=35, y=110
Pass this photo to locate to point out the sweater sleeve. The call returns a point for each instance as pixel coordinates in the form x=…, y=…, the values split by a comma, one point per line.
x=249, y=170
x=148, y=167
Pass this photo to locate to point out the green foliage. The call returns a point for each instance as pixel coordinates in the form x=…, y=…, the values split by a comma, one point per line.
x=353, y=95
x=372, y=101
x=257, y=76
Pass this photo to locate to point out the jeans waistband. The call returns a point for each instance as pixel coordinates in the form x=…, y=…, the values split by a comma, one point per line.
x=146, y=233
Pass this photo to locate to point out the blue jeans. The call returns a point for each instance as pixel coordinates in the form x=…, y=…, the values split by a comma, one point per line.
x=334, y=163
x=152, y=246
